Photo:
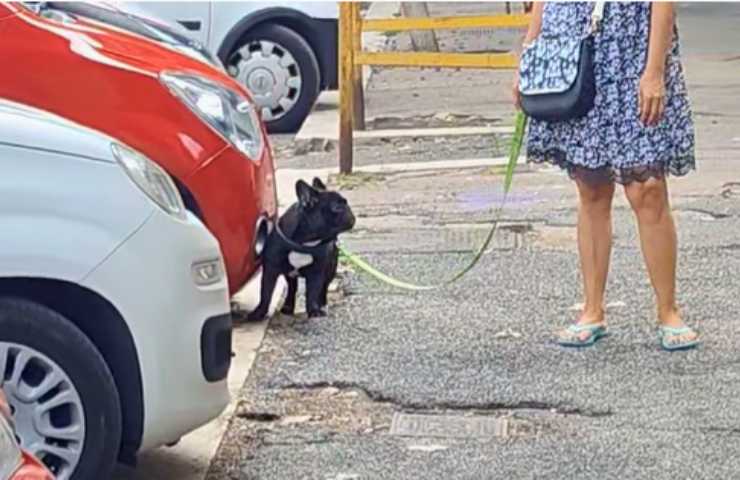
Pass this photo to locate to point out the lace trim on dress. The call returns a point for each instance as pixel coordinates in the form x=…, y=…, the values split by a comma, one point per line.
x=678, y=166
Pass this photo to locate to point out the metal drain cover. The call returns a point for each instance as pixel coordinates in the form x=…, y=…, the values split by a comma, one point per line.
x=448, y=426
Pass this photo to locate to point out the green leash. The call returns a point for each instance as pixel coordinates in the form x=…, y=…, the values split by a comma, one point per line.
x=516, y=146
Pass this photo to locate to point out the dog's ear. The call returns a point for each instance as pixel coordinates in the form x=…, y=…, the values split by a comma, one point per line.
x=318, y=184
x=307, y=195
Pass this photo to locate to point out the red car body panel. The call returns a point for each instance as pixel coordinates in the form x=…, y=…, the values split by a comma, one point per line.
x=31, y=469
x=109, y=80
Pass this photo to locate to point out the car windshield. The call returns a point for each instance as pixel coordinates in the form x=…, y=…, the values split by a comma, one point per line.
x=156, y=31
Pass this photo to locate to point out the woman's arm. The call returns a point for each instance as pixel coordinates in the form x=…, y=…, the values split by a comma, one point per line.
x=535, y=25
x=652, y=83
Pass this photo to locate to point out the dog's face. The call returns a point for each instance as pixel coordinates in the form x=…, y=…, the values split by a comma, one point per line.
x=326, y=214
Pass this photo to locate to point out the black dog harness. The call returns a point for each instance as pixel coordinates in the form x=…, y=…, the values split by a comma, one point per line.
x=315, y=249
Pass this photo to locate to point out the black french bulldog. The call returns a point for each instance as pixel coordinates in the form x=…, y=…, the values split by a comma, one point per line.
x=304, y=244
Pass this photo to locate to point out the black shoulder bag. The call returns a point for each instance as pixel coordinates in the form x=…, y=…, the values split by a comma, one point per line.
x=556, y=74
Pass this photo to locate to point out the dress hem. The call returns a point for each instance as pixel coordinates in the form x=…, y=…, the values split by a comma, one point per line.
x=676, y=166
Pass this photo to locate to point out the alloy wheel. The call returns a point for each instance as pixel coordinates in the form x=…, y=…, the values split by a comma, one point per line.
x=47, y=408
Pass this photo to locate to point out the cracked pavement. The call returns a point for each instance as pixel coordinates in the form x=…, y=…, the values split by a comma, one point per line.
x=322, y=398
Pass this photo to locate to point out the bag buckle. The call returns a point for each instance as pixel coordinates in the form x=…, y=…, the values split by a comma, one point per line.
x=595, y=24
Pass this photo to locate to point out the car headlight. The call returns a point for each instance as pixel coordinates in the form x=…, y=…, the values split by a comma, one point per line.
x=226, y=111
x=151, y=179
x=10, y=453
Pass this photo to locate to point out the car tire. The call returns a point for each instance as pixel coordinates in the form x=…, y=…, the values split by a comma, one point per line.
x=305, y=58
x=30, y=327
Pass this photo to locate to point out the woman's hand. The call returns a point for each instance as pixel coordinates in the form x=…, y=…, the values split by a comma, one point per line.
x=652, y=97
x=652, y=83
x=516, y=96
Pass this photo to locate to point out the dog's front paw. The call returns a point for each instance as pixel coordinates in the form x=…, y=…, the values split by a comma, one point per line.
x=317, y=313
x=288, y=309
x=255, y=316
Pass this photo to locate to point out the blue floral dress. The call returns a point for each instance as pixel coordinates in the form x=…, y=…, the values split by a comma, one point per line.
x=610, y=143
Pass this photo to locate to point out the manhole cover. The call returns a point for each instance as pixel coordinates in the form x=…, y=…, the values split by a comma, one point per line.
x=450, y=426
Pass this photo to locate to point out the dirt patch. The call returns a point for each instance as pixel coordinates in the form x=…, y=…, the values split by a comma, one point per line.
x=355, y=180
x=297, y=416
x=327, y=408
x=436, y=120
x=553, y=237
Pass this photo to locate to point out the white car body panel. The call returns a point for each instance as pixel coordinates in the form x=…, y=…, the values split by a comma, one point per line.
x=69, y=212
x=46, y=231
x=168, y=312
x=218, y=18
x=33, y=128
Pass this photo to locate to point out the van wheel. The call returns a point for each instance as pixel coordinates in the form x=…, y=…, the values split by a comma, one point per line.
x=65, y=404
x=281, y=72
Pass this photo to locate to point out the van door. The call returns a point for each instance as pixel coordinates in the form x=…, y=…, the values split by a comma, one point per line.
x=194, y=16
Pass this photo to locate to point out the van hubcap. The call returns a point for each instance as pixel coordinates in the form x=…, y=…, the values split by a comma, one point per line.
x=47, y=409
x=271, y=75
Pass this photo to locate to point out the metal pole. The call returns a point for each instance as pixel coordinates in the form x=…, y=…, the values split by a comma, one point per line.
x=346, y=84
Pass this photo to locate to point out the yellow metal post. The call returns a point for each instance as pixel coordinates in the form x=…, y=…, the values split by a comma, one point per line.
x=346, y=86
x=358, y=118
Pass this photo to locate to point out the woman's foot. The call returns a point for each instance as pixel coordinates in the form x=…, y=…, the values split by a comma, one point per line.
x=586, y=331
x=673, y=333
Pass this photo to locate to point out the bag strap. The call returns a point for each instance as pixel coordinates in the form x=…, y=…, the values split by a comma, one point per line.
x=597, y=15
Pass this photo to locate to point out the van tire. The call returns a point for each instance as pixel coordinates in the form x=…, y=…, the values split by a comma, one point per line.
x=310, y=72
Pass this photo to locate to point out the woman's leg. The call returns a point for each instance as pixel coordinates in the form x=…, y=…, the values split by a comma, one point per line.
x=652, y=208
x=594, y=247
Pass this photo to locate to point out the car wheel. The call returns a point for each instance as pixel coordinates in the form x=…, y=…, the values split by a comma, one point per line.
x=281, y=72
x=64, y=402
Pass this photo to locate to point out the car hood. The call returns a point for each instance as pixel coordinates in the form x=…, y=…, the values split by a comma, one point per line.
x=27, y=127
x=133, y=21
x=121, y=49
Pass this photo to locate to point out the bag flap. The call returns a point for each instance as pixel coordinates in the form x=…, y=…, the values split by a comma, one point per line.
x=549, y=65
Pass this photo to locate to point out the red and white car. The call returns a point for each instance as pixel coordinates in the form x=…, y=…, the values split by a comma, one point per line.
x=198, y=123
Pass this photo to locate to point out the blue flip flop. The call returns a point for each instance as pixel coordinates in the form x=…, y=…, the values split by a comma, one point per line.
x=597, y=331
x=665, y=333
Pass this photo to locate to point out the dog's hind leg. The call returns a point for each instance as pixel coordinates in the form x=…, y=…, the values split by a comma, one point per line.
x=269, y=279
x=289, y=305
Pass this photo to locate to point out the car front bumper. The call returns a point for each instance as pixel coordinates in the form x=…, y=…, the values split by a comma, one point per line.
x=179, y=328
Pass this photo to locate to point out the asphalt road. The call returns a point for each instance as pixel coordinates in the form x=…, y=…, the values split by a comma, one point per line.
x=623, y=409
